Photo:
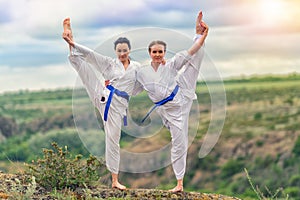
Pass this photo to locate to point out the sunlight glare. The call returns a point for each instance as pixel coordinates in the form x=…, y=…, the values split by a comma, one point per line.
x=271, y=11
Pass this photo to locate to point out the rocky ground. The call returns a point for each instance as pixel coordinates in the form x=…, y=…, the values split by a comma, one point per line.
x=14, y=187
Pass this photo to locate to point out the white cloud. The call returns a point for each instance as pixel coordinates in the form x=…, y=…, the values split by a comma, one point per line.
x=236, y=51
x=238, y=42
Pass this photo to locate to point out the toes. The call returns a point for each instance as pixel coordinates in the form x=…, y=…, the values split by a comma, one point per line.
x=176, y=189
x=119, y=187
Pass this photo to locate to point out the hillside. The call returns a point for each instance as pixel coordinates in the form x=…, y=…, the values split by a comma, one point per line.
x=261, y=133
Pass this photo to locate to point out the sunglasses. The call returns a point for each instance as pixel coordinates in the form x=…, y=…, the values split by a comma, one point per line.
x=160, y=51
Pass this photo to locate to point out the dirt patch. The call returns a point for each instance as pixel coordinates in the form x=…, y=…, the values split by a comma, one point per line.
x=14, y=186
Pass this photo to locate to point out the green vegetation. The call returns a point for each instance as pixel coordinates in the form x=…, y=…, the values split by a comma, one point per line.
x=59, y=170
x=261, y=133
x=260, y=195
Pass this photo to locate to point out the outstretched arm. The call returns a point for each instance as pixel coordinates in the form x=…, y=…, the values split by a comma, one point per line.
x=201, y=29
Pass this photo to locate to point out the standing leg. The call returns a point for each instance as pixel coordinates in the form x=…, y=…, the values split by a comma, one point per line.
x=180, y=147
x=112, y=148
x=178, y=156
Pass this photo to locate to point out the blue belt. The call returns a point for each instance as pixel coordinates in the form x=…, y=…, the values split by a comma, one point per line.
x=118, y=93
x=162, y=102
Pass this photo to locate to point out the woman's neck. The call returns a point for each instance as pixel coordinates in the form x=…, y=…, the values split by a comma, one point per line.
x=155, y=65
x=126, y=63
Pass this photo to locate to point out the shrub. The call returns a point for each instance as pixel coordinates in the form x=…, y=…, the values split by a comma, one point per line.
x=292, y=191
x=58, y=170
x=258, y=116
x=295, y=180
x=268, y=194
x=231, y=167
x=296, y=149
x=65, y=137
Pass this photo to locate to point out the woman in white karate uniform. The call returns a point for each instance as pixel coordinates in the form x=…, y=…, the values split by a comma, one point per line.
x=174, y=94
x=120, y=74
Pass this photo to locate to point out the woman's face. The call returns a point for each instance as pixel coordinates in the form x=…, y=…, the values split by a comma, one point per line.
x=122, y=51
x=157, y=53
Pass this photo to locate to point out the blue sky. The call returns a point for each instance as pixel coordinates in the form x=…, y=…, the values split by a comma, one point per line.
x=246, y=37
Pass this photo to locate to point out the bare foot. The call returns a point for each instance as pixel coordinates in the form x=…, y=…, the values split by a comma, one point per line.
x=118, y=185
x=199, y=28
x=67, y=24
x=67, y=34
x=178, y=188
